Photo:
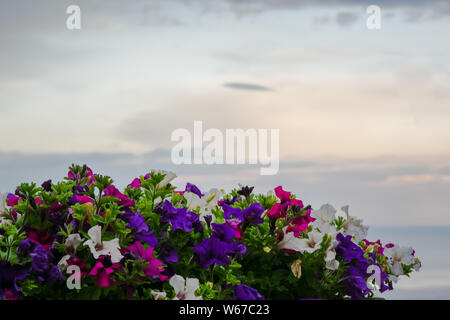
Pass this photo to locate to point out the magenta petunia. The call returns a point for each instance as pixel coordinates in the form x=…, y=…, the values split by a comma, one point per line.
x=154, y=269
x=103, y=270
x=124, y=200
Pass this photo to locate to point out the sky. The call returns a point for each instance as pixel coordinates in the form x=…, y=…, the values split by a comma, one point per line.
x=363, y=114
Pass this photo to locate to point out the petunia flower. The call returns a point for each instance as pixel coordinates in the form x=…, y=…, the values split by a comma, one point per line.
x=324, y=216
x=194, y=189
x=123, y=199
x=136, y=183
x=310, y=244
x=252, y=213
x=41, y=237
x=203, y=204
x=180, y=218
x=212, y=251
x=282, y=195
x=185, y=289
x=99, y=248
x=244, y=292
x=83, y=199
x=71, y=244
x=399, y=256
x=12, y=200
x=154, y=269
x=140, y=229
x=354, y=227
x=157, y=295
x=8, y=277
x=168, y=177
x=103, y=270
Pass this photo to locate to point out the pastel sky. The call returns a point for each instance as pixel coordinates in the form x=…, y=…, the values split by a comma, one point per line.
x=363, y=115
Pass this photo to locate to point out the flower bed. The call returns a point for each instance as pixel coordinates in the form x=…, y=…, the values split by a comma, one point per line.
x=82, y=238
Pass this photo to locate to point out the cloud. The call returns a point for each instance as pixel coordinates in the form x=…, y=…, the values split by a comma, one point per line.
x=246, y=86
x=345, y=19
x=258, y=6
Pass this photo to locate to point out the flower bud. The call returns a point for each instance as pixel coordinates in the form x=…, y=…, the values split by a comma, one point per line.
x=296, y=268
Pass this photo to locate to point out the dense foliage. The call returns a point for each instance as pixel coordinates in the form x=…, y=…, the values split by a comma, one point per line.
x=82, y=238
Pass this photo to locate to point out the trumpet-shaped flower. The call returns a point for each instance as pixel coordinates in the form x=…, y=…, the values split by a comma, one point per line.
x=354, y=227
x=244, y=292
x=399, y=256
x=168, y=177
x=71, y=244
x=103, y=270
x=324, y=216
x=180, y=218
x=140, y=229
x=185, y=289
x=154, y=269
x=99, y=248
x=310, y=244
x=123, y=199
x=252, y=213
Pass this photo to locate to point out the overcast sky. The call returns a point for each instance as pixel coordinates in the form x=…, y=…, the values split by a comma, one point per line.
x=363, y=115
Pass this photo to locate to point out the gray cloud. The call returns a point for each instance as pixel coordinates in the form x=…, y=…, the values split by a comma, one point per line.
x=345, y=19
x=246, y=86
x=257, y=6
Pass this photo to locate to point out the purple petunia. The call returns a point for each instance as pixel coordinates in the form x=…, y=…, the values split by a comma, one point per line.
x=140, y=230
x=253, y=213
x=180, y=218
x=193, y=188
x=8, y=276
x=42, y=267
x=26, y=247
x=357, y=272
x=168, y=254
x=212, y=251
x=244, y=292
x=47, y=185
x=218, y=247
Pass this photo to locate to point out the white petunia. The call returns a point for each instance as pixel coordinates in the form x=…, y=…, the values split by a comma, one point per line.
x=159, y=295
x=211, y=198
x=185, y=289
x=330, y=257
x=354, y=227
x=194, y=202
x=72, y=242
x=311, y=244
x=397, y=256
x=99, y=248
x=324, y=216
x=202, y=205
x=169, y=176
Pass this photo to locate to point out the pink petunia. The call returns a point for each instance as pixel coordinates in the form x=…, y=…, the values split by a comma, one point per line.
x=84, y=199
x=136, y=184
x=41, y=237
x=281, y=194
x=104, y=274
x=124, y=200
x=154, y=269
x=12, y=200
